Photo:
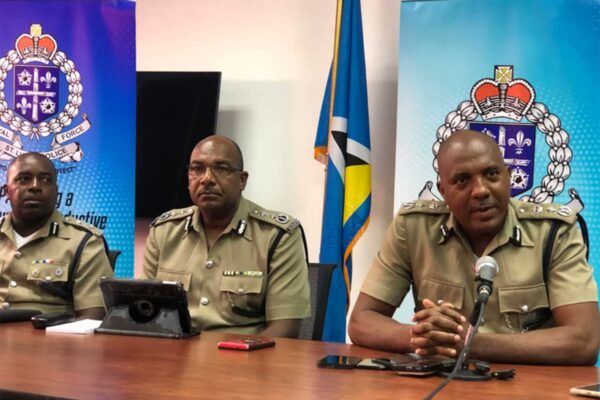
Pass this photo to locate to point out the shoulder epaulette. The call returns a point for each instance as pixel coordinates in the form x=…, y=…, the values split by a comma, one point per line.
x=281, y=220
x=172, y=215
x=83, y=225
x=424, y=207
x=527, y=210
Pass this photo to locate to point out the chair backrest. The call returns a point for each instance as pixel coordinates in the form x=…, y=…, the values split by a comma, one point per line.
x=319, y=278
x=112, y=258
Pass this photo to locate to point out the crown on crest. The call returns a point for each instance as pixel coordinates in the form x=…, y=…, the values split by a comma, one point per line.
x=35, y=46
x=503, y=96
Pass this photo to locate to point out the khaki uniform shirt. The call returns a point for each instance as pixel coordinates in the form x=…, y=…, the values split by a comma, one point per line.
x=47, y=257
x=425, y=247
x=231, y=287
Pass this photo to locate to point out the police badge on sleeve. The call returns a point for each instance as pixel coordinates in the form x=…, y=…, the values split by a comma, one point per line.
x=34, y=109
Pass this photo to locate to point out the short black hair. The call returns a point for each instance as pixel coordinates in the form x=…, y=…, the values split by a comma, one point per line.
x=31, y=154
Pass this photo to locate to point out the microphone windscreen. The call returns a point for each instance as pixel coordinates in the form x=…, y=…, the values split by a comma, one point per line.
x=487, y=268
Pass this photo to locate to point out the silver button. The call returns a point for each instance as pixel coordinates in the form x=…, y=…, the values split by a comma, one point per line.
x=524, y=308
x=35, y=273
x=13, y=284
x=204, y=301
x=18, y=254
x=440, y=302
x=6, y=304
x=48, y=278
x=209, y=264
x=58, y=272
x=240, y=290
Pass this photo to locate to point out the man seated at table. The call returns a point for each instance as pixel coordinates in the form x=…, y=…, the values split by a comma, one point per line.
x=434, y=246
x=243, y=267
x=41, y=267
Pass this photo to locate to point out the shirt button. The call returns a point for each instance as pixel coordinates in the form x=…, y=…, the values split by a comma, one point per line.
x=440, y=302
x=35, y=273
x=18, y=254
x=524, y=308
x=13, y=284
x=204, y=301
x=240, y=290
x=209, y=264
x=5, y=305
x=58, y=272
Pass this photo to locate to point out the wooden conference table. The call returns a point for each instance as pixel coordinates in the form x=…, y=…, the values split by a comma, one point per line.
x=127, y=367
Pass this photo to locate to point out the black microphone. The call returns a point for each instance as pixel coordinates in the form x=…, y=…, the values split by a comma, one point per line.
x=486, y=269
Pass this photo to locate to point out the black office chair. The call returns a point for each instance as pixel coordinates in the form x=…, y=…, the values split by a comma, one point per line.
x=319, y=277
x=112, y=258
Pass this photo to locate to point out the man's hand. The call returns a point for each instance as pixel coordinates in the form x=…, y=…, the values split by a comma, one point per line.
x=438, y=329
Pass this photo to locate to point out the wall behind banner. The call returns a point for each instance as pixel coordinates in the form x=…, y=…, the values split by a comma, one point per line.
x=96, y=178
x=556, y=52
x=274, y=56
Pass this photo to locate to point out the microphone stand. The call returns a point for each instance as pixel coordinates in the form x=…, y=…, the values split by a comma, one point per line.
x=461, y=369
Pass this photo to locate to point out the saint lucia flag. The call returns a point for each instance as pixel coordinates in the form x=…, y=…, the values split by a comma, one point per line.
x=343, y=143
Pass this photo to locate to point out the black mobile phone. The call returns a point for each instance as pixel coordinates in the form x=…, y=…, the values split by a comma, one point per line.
x=411, y=364
x=43, y=321
x=422, y=367
x=339, y=362
x=371, y=363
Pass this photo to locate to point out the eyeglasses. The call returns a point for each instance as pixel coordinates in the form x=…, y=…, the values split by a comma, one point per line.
x=220, y=171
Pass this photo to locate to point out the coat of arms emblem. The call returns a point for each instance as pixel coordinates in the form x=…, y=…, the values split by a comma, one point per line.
x=505, y=109
x=39, y=71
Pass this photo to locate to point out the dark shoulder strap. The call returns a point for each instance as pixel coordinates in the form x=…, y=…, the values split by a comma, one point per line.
x=273, y=247
x=276, y=243
x=75, y=263
x=547, y=255
x=584, y=233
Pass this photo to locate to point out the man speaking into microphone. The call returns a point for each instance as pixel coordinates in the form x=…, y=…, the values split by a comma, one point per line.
x=434, y=246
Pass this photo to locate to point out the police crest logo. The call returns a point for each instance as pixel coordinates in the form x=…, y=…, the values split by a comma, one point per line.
x=505, y=109
x=39, y=70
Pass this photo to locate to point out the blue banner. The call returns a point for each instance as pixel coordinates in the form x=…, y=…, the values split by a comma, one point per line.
x=343, y=142
x=522, y=71
x=67, y=89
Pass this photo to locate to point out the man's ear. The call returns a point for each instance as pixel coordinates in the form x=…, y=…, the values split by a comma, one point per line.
x=243, y=179
x=440, y=188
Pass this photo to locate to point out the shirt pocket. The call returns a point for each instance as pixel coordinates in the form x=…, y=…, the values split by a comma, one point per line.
x=441, y=291
x=244, y=293
x=525, y=307
x=173, y=276
x=56, y=272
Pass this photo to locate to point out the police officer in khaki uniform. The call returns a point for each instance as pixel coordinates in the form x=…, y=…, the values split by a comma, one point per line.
x=38, y=247
x=433, y=246
x=243, y=267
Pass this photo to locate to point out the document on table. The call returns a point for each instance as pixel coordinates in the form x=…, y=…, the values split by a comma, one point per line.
x=83, y=326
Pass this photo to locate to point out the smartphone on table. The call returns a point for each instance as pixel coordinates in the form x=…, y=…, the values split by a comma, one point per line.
x=339, y=362
x=405, y=364
x=245, y=344
x=587, y=390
